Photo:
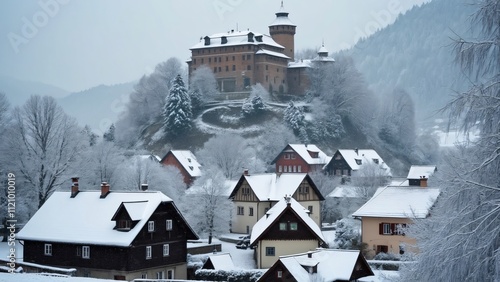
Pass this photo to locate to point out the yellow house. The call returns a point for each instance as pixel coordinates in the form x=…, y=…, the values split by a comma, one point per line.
x=386, y=215
x=284, y=230
x=254, y=195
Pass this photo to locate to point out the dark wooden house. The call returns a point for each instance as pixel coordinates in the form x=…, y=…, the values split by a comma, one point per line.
x=108, y=234
x=347, y=162
x=322, y=265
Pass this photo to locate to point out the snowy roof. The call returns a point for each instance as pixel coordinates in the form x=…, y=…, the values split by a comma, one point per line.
x=276, y=211
x=323, y=59
x=86, y=218
x=188, y=161
x=365, y=155
x=416, y=171
x=332, y=265
x=271, y=186
x=304, y=150
x=282, y=18
x=222, y=261
x=300, y=64
x=150, y=157
x=399, y=202
x=272, y=53
x=235, y=38
x=343, y=192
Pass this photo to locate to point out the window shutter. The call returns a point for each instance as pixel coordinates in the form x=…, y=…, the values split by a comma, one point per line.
x=381, y=228
x=393, y=228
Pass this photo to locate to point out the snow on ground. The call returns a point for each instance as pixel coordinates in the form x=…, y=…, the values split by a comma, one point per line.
x=4, y=250
x=25, y=277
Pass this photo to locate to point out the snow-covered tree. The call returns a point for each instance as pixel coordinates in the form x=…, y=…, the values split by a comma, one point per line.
x=294, y=116
x=202, y=87
x=43, y=144
x=110, y=134
x=460, y=241
x=177, y=112
x=90, y=135
x=229, y=153
x=211, y=216
x=367, y=179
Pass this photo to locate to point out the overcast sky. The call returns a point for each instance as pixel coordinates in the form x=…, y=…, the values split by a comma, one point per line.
x=78, y=44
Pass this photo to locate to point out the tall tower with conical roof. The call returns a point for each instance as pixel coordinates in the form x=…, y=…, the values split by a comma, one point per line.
x=282, y=30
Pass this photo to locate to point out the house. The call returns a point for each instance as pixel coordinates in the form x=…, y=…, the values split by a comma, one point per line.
x=386, y=215
x=109, y=234
x=321, y=265
x=220, y=261
x=254, y=195
x=285, y=229
x=419, y=174
x=349, y=161
x=186, y=162
x=298, y=158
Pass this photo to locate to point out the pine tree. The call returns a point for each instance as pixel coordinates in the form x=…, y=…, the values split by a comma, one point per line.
x=177, y=112
x=294, y=117
x=110, y=134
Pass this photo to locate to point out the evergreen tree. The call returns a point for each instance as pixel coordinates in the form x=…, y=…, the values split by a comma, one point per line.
x=177, y=112
x=294, y=117
x=110, y=134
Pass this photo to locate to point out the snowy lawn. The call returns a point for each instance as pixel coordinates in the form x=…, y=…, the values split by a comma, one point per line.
x=24, y=277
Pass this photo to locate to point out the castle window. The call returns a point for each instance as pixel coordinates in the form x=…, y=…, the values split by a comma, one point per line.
x=194, y=61
x=209, y=60
x=227, y=68
x=249, y=56
x=219, y=69
x=202, y=60
x=243, y=57
x=227, y=58
x=234, y=58
x=215, y=69
x=234, y=67
x=267, y=67
x=249, y=67
x=220, y=59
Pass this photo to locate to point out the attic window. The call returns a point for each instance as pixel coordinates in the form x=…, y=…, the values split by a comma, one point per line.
x=375, y=161
x=124, y=224
x=168, y=224
x=151, y=226
x=189, y=159
x=358, y=161
x=279, y=274
x=191, y=167
x=338, y=157
x=293, y=226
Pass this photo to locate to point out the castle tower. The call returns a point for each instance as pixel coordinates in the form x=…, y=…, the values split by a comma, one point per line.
x=282, y=30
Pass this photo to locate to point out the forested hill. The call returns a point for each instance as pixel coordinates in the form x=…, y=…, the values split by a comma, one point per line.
x=416, y=54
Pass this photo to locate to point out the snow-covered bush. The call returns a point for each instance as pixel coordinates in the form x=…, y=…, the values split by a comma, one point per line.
x=253, y=106
x=245, y=275
x=347, y=235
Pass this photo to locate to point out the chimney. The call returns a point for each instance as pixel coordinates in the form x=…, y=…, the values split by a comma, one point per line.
x=104, y=189
x=245, y=172
x=356, y=151
x=423, y=181
x=309, y=254
x=74, y=186
x=144, y=187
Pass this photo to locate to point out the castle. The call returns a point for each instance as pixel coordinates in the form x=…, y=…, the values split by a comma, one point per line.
x=240, y=59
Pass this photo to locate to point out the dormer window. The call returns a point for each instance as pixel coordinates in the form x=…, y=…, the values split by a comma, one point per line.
x=358, y=161
x=191, y=167
x=124, y=224
x=189, y=159
x=375, y=161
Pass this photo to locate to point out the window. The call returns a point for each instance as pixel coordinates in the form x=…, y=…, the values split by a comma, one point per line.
x=166, y=250
x=250, y=211
x=170, y=274
x=279, y=274
x=280, y=169
x=282, y=226
x=215, y=69
x=209, y=59
x=194, y=61
x=267, y=67
x=382, y=249
x=310, y=208
x=241, y=210
x=219, y=69
x=338, y=157
x=86, y=252
x=287, y=156
x=299, y=168
x=270, y=251
x=375, y=161
x=144, y=276
x=234, y=67
x=234, y=57
x=227, y=68
x=243, y=57
x=249, y=56
x=292, y=156
x=293, y=226
x=249, y=67
x=289, y=168
x=303, y=189
x=202, y=60
x=245, y=190
x=160, y=275
x=358, y=161
x=123, y=224
x=286, y=168
x=78, y=251
x=294, y=168
x=47, y=250
x=168, y=224
x=386, y=228
x=151, y=226
x=149, y=252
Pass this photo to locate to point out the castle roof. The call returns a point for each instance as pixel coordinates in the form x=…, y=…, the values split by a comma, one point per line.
x=236, y=38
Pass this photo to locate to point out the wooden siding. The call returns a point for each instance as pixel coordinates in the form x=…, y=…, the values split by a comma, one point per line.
x=245, y=197
x=170, y=159
x=305, y=192
x=335, y=164
x=302, y=233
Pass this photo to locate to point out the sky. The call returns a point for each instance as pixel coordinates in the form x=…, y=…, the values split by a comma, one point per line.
x=79, y=44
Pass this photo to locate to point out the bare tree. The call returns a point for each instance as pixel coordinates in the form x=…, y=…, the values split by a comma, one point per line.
x=227, y=152
x=44, y=143
x=213, y=208
x=461, y=241
x=367, y=179
x=202, y=87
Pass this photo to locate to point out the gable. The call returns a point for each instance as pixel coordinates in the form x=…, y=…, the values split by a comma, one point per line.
x=243, y=192
x=307, y=191
x=288, y=218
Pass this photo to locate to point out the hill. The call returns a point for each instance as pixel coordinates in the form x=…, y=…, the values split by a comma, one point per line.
x=18, y=91
x=98, y=106
x=416, y=53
